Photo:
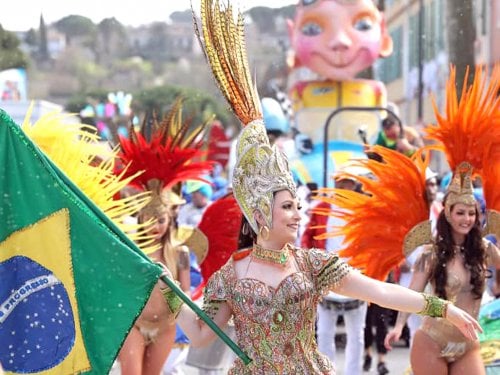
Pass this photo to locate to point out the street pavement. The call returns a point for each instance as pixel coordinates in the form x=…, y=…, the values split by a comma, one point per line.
x=397, y=362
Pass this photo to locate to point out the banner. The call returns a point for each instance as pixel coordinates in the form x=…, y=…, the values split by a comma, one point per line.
x=71, y=283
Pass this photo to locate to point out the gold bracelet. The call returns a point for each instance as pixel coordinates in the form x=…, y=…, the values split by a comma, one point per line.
x=434, y=306
x=174, y=302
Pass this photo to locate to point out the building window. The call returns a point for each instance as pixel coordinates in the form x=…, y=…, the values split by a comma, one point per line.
x=390, y=68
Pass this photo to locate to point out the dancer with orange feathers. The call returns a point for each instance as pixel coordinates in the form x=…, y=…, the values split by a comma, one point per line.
x=390, y=221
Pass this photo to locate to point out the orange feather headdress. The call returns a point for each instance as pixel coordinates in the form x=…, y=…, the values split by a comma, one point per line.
x=390, y=215
x=469, y=131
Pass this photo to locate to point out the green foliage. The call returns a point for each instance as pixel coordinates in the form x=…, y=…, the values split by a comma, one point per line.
x=185, y=16
x=76, y=26
x=11, y=56
x=264, y=18
x=198, y=106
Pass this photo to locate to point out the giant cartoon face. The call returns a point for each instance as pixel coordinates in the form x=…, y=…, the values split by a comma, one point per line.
x=338, y=38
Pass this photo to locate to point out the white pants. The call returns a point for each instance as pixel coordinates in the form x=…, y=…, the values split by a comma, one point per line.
x=176, y=359
x=355, y=330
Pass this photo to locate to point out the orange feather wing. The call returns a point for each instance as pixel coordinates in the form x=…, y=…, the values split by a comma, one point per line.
x=377, y=221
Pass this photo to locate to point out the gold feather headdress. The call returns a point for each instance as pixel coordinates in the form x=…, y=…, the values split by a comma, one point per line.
x=261, y=169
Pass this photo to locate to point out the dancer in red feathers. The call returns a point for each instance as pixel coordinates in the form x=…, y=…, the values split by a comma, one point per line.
x=165, y=160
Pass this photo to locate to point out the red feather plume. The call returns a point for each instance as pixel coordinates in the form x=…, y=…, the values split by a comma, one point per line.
x=221, y=224
x=171, y=156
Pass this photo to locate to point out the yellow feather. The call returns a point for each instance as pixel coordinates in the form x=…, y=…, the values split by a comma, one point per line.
x=74, y=151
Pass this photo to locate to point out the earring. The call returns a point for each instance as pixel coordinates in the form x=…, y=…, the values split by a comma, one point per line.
x=264, y=229
x=245, y=229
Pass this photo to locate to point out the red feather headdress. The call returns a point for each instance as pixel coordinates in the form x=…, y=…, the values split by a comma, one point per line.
x=172, y=155
x=222, y=231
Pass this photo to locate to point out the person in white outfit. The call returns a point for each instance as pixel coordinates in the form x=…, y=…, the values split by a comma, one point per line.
x=334, y=305
x=435, y=206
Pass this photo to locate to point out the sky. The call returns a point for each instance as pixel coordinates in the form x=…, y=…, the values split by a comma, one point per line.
x=21, y=15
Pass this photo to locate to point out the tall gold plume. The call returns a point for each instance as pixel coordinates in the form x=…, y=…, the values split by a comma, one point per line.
x=223, y=41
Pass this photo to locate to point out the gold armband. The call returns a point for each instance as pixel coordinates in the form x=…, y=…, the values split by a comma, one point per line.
x=434, y=306
x=174, y=302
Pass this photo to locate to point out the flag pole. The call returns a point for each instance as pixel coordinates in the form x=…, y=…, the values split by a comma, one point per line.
x=203, y=316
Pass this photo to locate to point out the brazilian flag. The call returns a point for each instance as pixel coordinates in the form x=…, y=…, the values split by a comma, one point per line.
x=71, y=283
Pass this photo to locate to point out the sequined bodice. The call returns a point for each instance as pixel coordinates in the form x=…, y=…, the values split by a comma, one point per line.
x=275, y=326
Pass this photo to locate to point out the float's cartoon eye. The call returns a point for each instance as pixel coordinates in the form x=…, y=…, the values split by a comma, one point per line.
x=311, y=29
x=364, y=24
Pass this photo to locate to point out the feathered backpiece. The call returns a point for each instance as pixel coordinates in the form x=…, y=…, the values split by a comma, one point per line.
x=388, y=219
x=261, y=169
x=222, y=231
x=89, y=164
x=170, y=156
x=469, y=131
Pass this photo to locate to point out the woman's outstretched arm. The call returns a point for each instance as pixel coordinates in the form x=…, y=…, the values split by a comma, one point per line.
x=396, y=297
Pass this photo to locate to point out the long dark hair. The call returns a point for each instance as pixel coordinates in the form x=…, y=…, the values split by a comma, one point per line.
x=474, y=256
x=247, y=236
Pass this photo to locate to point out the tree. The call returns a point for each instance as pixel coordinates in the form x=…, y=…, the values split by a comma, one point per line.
x=76, y=26
x=11, y=56
x=461, y=31
x=111, y=42
x=43, y=47
x=264, y=18
x=185, y=16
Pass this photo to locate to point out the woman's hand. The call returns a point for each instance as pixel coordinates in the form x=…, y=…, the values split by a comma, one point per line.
x=463, y=321
x=393, y=335
x=166, y=272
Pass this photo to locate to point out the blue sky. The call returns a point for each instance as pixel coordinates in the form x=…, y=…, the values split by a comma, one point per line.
x=22, y=15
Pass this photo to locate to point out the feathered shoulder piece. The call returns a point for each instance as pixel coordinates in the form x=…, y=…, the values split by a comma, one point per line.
x=469, y=131
x=221, y=225
x=171, y=155
x=386, y=221
x=89, y=164
x=261, y=169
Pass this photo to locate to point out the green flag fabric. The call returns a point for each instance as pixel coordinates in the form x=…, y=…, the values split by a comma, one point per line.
x=71, y=283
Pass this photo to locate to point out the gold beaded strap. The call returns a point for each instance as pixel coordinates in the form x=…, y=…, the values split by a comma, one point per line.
x=434, y=306
x=174, y=302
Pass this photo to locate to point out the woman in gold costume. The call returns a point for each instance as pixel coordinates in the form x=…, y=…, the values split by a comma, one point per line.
x=455, y=263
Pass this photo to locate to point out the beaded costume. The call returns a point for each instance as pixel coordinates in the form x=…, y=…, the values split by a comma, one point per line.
x=275, y=326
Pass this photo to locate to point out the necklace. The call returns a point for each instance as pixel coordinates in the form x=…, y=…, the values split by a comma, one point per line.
x=458, y=249
x=271, y=256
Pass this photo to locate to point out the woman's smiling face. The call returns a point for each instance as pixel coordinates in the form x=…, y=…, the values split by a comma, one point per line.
x=286, y=218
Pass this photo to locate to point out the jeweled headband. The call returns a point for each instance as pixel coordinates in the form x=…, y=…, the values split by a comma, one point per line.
x=260, y=171
x=460, y=189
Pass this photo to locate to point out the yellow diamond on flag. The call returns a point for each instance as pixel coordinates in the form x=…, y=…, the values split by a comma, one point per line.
x=39, y=320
